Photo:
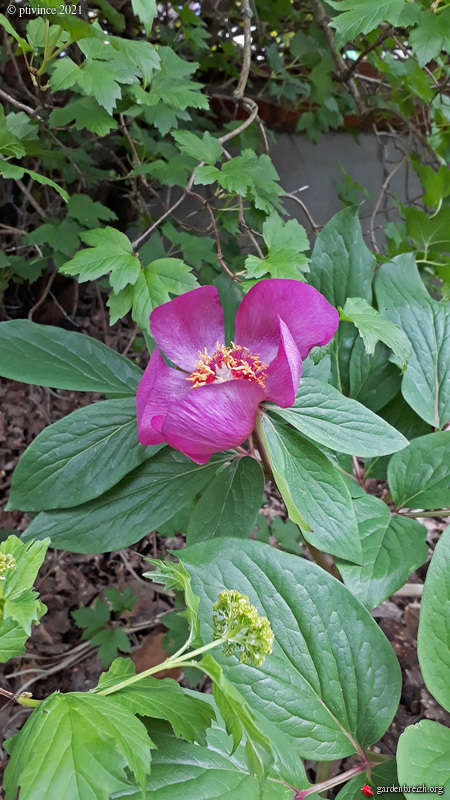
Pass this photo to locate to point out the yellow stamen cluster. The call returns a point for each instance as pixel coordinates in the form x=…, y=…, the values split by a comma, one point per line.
x=7, y=562
x=228, y=363
x=248, y=636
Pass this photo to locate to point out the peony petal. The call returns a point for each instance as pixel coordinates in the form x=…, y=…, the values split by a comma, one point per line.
x=309, y=316
x=187, y=324
x=159, y=387
x=283, y=375
x=213, y=418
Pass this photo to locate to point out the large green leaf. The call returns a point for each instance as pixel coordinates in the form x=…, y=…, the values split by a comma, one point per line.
x=401, y=416
x=325, y=415
x=184, y=771
x=76, y=746
x=434, y=626
x=403, y=299
x=392, y=547
x=419, y=476
x=341, y=265
x=144, y=499
x=310, y=486
x=423, y=756
x=332, y=681
x=230, y=504
x=54, y=357
x=362, y=16
x=79, y=457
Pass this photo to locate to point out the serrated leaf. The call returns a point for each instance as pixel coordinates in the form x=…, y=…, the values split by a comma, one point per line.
x=403, y=299
x=156, y=283
x=230, y=503
x=111, y=251
x=323, y=414
x=423, y=756
x=434, y=625
x=79, y=457
x=427, y=39
x=362, y=16
x=121, y=601
x=374, y=328
x=87, y=114
x=109, y=642
x=76, y=746
x=341, y=265
x=174, y=576
x=42, y=355
x=189, y=716
x=144, y=499
x=206, y=148
x=92, y=618
x=119, y=304
x=310, y=485
x=12, y=640
x=392, y=548
x=419, y=476
x=146, y=11
x=82, y=208
x=332, y=679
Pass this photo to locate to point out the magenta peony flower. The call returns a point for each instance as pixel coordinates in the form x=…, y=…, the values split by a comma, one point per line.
x=211, y=405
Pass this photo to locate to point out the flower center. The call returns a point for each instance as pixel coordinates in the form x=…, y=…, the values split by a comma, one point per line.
x=228, y=364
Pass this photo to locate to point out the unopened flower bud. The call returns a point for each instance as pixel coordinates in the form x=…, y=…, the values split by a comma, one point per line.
x=7, y=562
x=248, y=635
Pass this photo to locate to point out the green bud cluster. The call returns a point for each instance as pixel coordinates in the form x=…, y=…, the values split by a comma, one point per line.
x=248, y=636
x=7, y=562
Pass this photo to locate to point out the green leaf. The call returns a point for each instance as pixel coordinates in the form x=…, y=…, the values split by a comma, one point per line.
x=252, y=174
x=119, y=304
x=374, y=380
x=374, y=328
x=419, y=476
x=174, y=576
x=87, y=114
x=5, y=23
x=109, y=642
x=362, y=16
x=423, y=756
x=279, y=235
x=92, y=618
x=310, y=485
x=146, y=11
x=332, y=681
x=189, y=716
x=121, y=601
x=428, y=37
x=79, y=457
x=392, y=548
x=382, y=776
x=205, y=149
x=13, y=171
x=230, y=503
x=144, y=499
x=19, y=606
x=76, y=746
x=239, y=720
x=403, y=299
x=323, y=414
x=111, y=251
x=434, y=626
x=182, y=770
x=82, y=208
x=48, y=356
x=156, y=282
x=341, y=265
x=12, y=640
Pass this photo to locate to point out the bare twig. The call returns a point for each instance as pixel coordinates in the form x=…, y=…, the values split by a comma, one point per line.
x=247, y=14
x=30, y=198
x=33, y=112
x=383, y=189
x=43, y=295
x=314, y=226
x=216, y=234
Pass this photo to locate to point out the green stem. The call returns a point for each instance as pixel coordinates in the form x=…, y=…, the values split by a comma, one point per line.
x=169, y=663
x=438, y=512
x=264, y=458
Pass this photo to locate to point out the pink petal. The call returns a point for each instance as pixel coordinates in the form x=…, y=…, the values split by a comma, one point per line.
x=159, y=387
x=283, y=375
x=310, y=318
x=187, y=324
x=213, y=418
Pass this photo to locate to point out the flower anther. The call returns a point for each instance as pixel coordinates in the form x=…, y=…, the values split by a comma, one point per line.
x=227, y=364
